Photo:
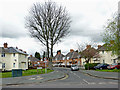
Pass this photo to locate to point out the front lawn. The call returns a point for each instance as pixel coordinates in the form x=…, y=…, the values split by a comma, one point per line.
x=106, y=70
x=25, y=73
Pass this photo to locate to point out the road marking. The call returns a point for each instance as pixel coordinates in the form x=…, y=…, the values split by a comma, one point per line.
x=66, y=76
x=75, y=74
x=31, y=78
x=101, y=83
x=86, y=81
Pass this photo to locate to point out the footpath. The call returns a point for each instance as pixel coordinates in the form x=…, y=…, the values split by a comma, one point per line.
x=33, y=79
x=105, y=75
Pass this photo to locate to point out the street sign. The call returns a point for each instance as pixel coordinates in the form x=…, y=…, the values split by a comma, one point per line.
x=39, y=67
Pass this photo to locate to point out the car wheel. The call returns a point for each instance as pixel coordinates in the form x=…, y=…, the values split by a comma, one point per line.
x=100, y=68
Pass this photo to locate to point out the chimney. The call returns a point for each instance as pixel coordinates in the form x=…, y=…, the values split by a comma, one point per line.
x=88, y=46
x=31, y=56
x=71, y=50
x=24, y=51
x=111, y=41
x=99, y=46
x=5, y=45
x=16, y=47
x=20, y=49
x=59, y=52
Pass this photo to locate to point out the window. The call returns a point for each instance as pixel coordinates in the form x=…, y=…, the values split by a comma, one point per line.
x=56, y=59
x=25, y=56
x=67, y=58
x=3, y=65
x=15, y=60
x=103, y=61
x=13, y=54
x=114, y=61
x=103, y=52
x=13, y=64
x=3, y=55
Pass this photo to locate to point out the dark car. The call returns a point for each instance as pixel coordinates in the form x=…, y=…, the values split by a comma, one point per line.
x=101, y=66
x=113, y=66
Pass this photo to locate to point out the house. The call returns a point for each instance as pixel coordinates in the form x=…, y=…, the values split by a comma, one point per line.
x=58, y=59
x=72, y=57
x=89, y=55
x=33, y=62
x=12, y=58
x=106, y=55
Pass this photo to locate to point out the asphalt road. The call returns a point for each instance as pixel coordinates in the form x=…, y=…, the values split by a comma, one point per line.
x=74, y=79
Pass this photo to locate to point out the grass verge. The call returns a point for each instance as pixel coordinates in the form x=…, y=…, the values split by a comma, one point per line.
x=25, y=73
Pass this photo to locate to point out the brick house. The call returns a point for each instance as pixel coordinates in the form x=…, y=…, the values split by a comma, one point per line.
x=73, y=57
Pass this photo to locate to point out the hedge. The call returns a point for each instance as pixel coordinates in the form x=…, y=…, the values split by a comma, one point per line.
x=89, y=66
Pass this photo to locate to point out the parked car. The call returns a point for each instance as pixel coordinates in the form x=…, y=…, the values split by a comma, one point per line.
x=74, y=67
x=101, y=66
x=113, y=66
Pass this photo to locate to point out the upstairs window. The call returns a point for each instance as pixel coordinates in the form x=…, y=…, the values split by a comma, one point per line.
x=67, y=58
x=3, y=55
x=14, y=65
x=13, y=54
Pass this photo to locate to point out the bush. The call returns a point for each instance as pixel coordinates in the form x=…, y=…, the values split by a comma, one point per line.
x=89, y=66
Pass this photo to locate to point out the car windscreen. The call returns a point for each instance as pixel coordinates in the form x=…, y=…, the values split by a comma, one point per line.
x=74, y=65
x=99, y=64
x=114, y=64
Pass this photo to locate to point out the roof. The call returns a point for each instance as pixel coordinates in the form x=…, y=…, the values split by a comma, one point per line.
x=59, y=57
x=89, y=52
x=72, y=55
x=103, y=48
x=11, y=50
x=33, y=59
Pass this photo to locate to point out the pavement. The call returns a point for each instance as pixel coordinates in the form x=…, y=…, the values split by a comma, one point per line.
x=33, y=79
x=99, y=74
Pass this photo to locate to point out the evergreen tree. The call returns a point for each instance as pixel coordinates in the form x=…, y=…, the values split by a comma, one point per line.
x=37, y=55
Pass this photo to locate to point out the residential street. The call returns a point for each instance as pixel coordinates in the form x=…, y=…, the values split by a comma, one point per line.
x=73, y=79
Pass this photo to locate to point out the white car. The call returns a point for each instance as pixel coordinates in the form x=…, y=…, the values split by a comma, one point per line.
x=74, y=67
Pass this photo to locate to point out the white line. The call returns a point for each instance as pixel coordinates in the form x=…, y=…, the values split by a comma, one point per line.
x=86, y=81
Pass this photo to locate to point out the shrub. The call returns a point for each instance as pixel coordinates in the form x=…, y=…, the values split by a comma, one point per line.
x=89, y=66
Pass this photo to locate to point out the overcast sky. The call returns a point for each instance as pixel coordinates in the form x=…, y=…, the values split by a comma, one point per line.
x=88, y=18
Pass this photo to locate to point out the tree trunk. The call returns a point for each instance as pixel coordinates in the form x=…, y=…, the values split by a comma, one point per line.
x=47, y=50
x=51, y=49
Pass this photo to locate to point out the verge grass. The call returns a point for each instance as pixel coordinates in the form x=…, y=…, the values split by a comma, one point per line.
x=25, y=73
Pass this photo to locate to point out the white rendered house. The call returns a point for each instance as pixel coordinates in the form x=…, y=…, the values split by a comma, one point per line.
x=12, y=58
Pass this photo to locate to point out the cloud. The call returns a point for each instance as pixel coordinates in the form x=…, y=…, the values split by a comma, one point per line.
x=88, y=18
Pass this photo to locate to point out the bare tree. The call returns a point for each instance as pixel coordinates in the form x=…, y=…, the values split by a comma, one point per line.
x=48, y=23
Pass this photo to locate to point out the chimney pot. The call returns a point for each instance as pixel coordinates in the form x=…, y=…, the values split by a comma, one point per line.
x=30, y=55
x=59, y=52
x=5, y=45
x=71, y=50
x=88, y=46
x=99, y=46
x=20, y=49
